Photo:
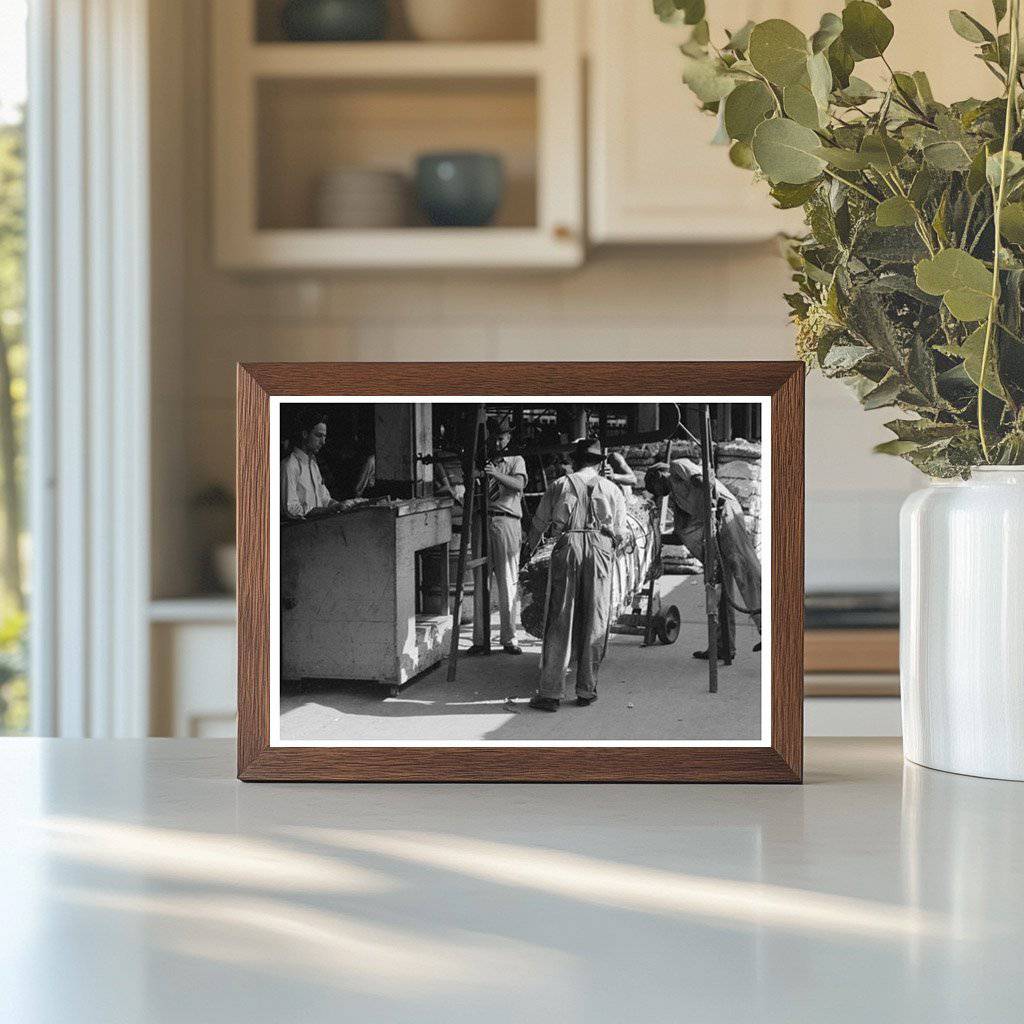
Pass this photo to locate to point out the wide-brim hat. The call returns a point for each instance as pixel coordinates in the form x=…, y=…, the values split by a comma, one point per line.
x=499, y=425
x=587, y=449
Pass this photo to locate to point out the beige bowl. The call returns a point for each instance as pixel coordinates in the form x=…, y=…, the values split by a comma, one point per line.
x=471, y=20
x=362, y=198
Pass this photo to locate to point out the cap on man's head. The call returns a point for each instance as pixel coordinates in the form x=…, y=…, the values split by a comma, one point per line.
x=499, y=425
x=587, y=450
x=656, y=477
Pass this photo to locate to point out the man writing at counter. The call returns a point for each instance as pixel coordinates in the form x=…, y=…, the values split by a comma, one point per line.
x=303, y=492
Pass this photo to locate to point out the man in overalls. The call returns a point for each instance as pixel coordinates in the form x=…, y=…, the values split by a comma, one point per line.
x=587, y=514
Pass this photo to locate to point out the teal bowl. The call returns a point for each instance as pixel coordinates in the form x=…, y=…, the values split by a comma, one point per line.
x=461, y=190
x=334, y=21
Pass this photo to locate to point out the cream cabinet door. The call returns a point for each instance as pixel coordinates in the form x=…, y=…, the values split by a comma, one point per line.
x=654, y=177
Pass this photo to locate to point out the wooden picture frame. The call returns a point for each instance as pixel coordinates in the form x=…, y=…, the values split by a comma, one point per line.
x=780, y=760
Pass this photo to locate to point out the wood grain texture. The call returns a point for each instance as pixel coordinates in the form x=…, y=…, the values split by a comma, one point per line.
x=781, y=762
x=852, y=650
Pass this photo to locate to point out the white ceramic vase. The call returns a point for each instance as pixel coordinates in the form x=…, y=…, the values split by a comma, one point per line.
x=962, y=624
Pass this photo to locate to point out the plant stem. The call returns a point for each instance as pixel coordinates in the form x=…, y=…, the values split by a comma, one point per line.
x=1011, y=108
x=853, y=185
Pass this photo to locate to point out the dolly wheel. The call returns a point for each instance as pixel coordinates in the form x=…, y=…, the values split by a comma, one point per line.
x=666, y=625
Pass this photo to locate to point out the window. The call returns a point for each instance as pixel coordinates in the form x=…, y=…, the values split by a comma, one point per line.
x=14, y=695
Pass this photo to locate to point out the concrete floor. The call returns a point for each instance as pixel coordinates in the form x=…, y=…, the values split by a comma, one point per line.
x=654, y=693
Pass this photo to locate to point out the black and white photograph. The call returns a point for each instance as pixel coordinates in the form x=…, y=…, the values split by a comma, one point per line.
x=524, y=571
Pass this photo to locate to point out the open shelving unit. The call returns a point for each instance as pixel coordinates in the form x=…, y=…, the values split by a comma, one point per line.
x=286, y=113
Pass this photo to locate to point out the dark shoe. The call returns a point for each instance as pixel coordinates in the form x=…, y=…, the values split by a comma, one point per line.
x=585, y=702
x=512, y=648
x=757, y=646
x=478, y=649
x=539, y=703
x=703, y=656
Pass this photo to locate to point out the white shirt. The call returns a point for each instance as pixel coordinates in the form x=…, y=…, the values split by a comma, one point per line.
x=302, y=486
x=559, y=501
x=505, y=498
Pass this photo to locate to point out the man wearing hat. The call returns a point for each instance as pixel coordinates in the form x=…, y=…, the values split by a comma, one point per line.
x=505, y=478
x=683, y=481
x=586, y=512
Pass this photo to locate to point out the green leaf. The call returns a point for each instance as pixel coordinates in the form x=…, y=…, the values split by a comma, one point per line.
x=801, y=106
x=885, y=394
x=819, y=74
x=895, y=447
x=707, y=78
x=922, y=185
x=882, y=151
x=963, y=281
x=779, y=51
x=745, y=108
x=689, y=12
x=841, y=63
x=741, y=155
x=999, y=9
x=788, y=196
x=924, y=88
x=829, y=30
x=739, y=41
x=895, y=212
x=844, y=159
x=1012, y=224
x=993, y=167
x=969, y=28
x=701, y=34
x=976, y=173
x=787, y=151
x=922, y=430
x=971, y=352
x=856, y=92
x=866, y=29
x=947, y=156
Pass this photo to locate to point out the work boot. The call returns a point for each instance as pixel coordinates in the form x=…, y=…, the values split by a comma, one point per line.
x=725, y=659
x=585, y=702
x=478, y=649
x=512, y=648
x=539, y=703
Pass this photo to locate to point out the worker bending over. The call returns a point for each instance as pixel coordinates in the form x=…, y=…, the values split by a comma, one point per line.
x=586, y=512
x=683, y=481
x=505, y=479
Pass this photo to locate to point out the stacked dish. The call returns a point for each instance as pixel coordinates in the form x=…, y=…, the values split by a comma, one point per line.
x=362, y=197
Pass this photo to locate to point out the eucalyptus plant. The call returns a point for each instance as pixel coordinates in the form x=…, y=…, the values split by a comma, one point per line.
x=910, y=277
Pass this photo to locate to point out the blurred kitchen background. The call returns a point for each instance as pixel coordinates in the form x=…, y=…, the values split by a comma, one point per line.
x=307, y=201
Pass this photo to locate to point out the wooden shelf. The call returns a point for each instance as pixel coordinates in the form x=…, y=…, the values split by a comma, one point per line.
x=393, y=60
x=852, y=650
x=400, y=248
x=284, y=114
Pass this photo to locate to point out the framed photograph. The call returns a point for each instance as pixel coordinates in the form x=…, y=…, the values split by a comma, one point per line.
x=564, y=572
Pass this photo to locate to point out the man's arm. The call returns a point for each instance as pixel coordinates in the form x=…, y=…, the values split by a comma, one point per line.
x=617, y=470
x=291, y=507
x=541, y=519
x=514, y=481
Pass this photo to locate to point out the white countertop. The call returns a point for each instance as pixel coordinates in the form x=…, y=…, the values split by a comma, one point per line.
x=140, y=882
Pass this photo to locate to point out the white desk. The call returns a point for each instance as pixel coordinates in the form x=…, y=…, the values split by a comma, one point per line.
x=140, y=882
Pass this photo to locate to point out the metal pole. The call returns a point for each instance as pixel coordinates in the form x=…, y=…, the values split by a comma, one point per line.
x=710, y=563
